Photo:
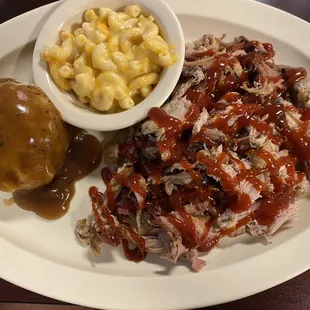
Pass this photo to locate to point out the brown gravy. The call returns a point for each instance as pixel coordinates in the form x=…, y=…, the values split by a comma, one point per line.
x=52, y=201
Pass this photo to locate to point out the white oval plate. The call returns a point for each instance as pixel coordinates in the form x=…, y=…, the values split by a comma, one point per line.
x=45, y=257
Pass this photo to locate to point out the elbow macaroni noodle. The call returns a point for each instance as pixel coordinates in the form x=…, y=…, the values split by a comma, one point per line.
x=113, y=61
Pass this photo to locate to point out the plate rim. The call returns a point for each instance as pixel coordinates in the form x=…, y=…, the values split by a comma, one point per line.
x=11, y=255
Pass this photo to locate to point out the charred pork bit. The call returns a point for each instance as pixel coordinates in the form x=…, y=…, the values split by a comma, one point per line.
x=177, y=167
x=303, y=91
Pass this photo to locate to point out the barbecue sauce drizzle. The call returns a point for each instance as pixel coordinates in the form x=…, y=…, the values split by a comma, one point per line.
x=206, y=95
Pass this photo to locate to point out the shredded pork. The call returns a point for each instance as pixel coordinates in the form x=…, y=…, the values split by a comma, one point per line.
x=226, y=155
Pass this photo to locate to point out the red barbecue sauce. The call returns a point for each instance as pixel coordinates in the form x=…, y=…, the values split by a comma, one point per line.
x=151, y=169
x=134, y=182
x=305, y=115
x=271, y=207
x=216, y=93
x=186, y=227
x=115, y=234
x=293, y=75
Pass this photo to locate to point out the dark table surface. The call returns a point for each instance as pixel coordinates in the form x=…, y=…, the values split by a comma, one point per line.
x=292, y=295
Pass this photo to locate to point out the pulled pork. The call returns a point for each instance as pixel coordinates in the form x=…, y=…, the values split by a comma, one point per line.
x=228, y=154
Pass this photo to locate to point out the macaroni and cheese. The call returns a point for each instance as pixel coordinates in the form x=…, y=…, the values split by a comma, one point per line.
x=113, y=61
